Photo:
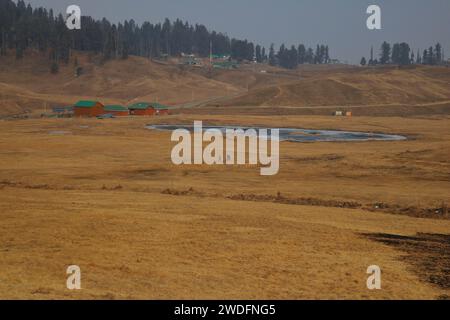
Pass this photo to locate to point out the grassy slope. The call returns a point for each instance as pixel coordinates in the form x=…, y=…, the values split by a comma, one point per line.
x=353, y=87
x=94, y=197
x=27, y=85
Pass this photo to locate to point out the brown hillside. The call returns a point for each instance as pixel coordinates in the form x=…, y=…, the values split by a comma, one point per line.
x=355, y=87
x=27, y=84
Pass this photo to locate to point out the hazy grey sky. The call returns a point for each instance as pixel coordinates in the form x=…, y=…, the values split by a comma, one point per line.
x=339, y=23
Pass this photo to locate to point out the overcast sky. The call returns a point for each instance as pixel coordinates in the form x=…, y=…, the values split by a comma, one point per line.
x=339, y=23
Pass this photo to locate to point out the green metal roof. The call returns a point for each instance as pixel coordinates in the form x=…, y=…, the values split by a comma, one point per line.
x=140, y=106
x=86, y=104
x=146, y=105
x=158, y=106
x=115, y=108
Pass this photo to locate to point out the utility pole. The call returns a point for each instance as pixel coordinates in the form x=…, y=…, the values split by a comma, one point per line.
x=210, y=52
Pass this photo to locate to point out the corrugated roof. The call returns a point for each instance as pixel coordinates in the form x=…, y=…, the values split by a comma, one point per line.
x=140, y=106
x=159, y=106
x=146, y=105
x=115, y=108
x=85, y=104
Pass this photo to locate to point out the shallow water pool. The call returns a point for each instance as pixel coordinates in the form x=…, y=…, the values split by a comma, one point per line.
x=297, y=134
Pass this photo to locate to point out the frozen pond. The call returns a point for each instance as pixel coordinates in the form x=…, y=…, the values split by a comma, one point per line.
x=298, y=134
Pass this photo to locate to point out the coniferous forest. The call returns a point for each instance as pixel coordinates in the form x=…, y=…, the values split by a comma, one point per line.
x=402, y=54
x=23, y=27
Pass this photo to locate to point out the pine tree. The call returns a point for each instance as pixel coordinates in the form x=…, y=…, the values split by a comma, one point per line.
x=282, y=56
x=272, y=58
x=318, y=55
x=431, y=56
x=363, y=61
x=438, y=52
x=327, y=55
x=310, y=56
x=301, y=54
x=258, y=54
x=404, y=58
x=385, y=54
x=293, y=58
x=395, y=57
x=371, y=60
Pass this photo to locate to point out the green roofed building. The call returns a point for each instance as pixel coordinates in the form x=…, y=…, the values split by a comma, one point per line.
x=117, y=110
x=88, y=108
x=159, y=106
x=160, y=109
x=85, y=104
x=141, y=109
x=140, y=106
x=148, y=109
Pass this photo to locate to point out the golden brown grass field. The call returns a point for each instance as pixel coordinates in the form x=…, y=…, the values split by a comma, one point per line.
x=104, y=194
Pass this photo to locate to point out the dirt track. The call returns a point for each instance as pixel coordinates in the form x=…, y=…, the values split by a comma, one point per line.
x=26, y=86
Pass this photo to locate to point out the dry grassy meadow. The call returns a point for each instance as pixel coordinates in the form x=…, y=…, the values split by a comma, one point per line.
x=104, y=195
